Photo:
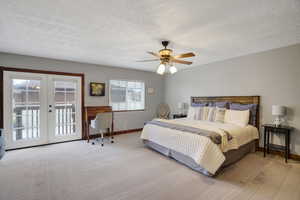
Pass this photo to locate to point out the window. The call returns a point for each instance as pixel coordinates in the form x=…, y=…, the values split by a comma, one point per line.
x=126, y=95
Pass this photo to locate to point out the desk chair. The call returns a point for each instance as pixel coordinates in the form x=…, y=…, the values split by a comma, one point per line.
x=103, y=124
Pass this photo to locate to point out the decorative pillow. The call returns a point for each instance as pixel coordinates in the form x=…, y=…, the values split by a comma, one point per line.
x=199, y=104
x=221, y=104
x=211, y=104
x=220, y=114
x=237, y=117
x=251, y=107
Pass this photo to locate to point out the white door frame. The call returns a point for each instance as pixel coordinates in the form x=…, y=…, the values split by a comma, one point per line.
x=51, y=116
x=40, y=75
x=7, y=105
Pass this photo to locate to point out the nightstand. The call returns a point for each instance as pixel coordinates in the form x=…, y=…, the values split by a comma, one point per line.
x=175, y=116
x=285, y=130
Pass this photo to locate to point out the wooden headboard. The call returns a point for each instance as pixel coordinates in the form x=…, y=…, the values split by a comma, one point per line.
x=232, y=99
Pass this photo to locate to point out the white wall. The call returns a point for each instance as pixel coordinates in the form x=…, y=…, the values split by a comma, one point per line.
x=97, y=73
x=274, y=75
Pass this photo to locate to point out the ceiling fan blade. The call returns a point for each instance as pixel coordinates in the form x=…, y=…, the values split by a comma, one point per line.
x=154, y=54
x=150, y=60
x=181, y=61
x=185, y=55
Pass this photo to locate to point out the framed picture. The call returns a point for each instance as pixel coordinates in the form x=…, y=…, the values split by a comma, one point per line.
x=97, y=89
x=150, y=90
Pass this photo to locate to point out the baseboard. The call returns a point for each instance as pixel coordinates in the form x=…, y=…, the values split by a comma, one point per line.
x=91, y=136
x=280, y=153
x=128, y=131
x=40, y=145
x=118, y=132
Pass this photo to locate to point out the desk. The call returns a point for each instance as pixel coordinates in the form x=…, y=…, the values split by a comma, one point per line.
x=90, y=114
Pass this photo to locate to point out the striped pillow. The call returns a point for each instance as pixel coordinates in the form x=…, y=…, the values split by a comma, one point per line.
x=201, y=113
x=205, y=111
x=211, y=114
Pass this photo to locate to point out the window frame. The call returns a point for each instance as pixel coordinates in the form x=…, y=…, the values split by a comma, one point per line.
x=127, y=80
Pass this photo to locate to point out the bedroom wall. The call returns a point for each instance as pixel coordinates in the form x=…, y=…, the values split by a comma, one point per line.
x=97, y=73
x=274, y=75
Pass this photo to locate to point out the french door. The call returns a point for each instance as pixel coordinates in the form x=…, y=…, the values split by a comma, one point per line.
x=41, y=109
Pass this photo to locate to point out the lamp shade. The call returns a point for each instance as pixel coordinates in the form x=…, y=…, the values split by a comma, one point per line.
x=161, y=69
x=173, y=69
x=278, y=110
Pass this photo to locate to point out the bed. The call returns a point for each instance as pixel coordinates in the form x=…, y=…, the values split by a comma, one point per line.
x=205, y=146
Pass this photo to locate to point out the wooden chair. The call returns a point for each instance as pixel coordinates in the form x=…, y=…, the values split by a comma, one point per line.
x=163, y=111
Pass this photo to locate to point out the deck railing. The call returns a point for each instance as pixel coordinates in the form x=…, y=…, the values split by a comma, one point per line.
x=26, y=124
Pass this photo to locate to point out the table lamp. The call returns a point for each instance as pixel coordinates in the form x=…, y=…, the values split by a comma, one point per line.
x=279, y=112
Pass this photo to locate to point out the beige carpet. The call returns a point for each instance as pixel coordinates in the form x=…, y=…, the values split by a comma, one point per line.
x=127, y=170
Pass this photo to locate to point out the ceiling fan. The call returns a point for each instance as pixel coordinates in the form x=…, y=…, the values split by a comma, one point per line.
x=167, y=59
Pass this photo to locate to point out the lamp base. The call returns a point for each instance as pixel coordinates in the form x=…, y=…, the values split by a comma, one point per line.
x=277, y=121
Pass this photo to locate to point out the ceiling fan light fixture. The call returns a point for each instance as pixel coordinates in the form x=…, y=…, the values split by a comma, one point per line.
x=165, y=52
x=173, y=69
x=166, y=58
x=161, y=69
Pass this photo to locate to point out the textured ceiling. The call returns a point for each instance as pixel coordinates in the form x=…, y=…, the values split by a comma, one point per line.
x=119, y=32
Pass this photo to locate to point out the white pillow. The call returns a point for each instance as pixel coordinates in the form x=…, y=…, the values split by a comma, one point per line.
x=237, y=117
x=193, y=113
x=198, y=111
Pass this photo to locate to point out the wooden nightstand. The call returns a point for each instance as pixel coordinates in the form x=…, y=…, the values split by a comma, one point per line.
x=175, y=116
x=285, y=130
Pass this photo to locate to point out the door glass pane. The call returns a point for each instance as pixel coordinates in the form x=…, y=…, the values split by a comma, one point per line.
x=26, y=109
x=70, y=97
x=19, y=84
x=19, y=134
x=33, y=97
x=60, y=97
x=65, y=107
x=34, y=85
x=19, y=121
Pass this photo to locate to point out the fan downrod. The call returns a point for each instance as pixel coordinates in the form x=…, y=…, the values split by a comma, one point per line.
x=165, y=43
